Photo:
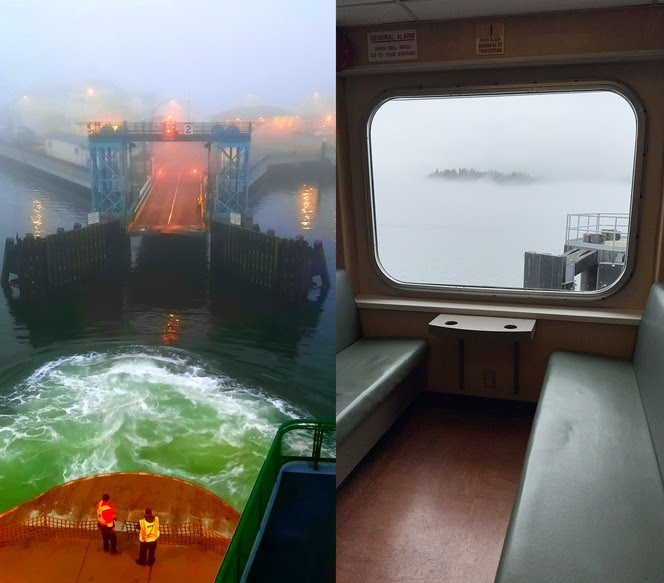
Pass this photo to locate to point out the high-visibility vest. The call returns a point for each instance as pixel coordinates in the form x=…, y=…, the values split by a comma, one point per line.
x=149, y=530
x=105, y=513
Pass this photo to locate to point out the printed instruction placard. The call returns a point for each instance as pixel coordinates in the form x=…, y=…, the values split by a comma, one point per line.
x=490, y=38
x=393, y=45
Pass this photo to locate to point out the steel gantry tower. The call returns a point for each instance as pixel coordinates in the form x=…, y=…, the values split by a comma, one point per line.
x=229, y=144
x=231, y=165
x=109, y=162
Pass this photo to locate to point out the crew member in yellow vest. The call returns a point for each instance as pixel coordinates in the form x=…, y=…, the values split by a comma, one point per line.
x=106, y=523
x=148, y=528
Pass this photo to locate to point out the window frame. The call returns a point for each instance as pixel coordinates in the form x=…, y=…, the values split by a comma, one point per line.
x=574, y=86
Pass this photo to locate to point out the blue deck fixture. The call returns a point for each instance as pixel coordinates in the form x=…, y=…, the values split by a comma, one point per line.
x=287, y=529
x=296, y=538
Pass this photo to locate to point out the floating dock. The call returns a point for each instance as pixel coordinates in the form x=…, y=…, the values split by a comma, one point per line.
x=595, y=248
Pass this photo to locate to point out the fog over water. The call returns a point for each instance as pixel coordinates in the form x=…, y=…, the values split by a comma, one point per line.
x=578, y=149
x=213, y=54
x=476, y=233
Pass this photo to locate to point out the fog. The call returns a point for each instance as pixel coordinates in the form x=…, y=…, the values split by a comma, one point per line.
x=555, y=136
x=127, y=58
x=180, y=157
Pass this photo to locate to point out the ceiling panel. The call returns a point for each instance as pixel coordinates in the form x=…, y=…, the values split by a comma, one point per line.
x=362, y=2
x=372, y=14
x=435, y=10
x=361, y=12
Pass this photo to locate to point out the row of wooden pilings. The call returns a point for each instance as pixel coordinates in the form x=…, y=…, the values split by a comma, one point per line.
x=66, y=259
x=283, y=267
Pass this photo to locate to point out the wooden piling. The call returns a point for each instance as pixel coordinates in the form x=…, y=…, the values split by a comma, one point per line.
x=8, y=261
x=319, y=264
x=282, y=267
x=68, y=259
x=544, y=271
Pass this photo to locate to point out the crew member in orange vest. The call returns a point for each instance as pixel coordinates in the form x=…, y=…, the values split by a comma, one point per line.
x=148, y=535
x=106, y=522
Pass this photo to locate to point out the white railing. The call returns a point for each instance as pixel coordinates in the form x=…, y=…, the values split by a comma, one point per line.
x=608, y=229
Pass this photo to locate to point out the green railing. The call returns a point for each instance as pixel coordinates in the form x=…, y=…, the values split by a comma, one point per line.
x=247, y=529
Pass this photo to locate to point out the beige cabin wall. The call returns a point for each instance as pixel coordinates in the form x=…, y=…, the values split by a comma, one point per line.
x=539, y=36
x=624, y=46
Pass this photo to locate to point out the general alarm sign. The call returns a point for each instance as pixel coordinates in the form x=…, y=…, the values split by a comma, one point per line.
x=393, y=45
x=490, y=39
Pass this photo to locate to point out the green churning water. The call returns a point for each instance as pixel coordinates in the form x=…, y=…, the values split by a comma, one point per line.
x=157, y=410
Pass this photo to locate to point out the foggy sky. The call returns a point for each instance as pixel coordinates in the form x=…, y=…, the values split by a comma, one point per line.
x=557, y=136
x=212, y=52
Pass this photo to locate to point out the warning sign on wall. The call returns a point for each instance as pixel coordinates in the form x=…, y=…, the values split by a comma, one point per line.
x=490, y=39
x=394, y=45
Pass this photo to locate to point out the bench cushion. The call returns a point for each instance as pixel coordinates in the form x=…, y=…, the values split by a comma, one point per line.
x=367, y=371
x=590, y=505
x=348, y=323
x=649, y=367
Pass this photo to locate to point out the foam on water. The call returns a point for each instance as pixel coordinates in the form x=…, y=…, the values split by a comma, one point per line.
x=159, y=410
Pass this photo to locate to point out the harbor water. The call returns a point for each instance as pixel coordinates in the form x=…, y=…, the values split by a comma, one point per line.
x=166, y=371
x=476, y=233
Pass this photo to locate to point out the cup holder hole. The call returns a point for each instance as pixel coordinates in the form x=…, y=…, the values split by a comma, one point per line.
x=451, y=323
x=510, y=326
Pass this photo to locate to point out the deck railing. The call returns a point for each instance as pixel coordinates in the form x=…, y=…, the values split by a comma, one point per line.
x=47, y=527
x=287, y=446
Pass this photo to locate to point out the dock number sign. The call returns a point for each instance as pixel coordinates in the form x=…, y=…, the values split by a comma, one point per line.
x=393, y=45
x=490, y=39
x=188, y=129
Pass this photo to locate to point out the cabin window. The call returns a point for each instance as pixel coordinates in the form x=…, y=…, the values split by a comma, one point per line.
x=526, y=190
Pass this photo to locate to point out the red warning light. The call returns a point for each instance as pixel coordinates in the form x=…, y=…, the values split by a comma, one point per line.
x=169, y=128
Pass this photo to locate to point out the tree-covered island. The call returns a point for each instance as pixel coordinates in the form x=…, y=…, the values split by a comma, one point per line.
x=472, y=174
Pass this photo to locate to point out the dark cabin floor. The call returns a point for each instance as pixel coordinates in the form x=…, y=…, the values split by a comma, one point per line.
x=431, y=502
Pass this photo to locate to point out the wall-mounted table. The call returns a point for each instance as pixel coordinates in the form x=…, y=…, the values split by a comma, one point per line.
x=484, y=327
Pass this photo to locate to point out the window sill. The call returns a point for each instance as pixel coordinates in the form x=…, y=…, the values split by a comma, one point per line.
x=565, y=314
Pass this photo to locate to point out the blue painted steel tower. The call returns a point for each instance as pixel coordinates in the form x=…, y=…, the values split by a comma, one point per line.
x=231, y=152
x=109, y=161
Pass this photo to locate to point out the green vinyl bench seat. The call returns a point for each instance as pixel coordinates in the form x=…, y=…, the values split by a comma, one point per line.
x=374, y=381
x=590, y=504
x=368, y=371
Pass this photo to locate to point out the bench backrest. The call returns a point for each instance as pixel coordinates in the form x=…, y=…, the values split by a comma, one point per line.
x=649, y=367
x=348, y=323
